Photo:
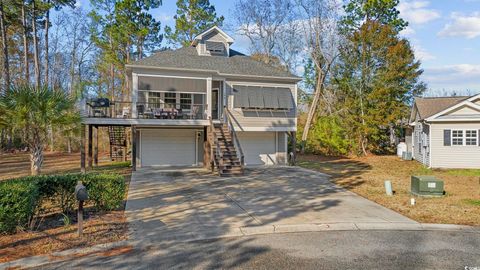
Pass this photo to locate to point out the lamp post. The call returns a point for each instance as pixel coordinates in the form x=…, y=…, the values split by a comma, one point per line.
x=81, y=195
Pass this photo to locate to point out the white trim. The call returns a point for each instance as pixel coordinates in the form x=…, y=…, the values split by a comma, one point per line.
x=228, y=38
x=209, y=97
x=464, y=137
x=266, y=84
x=181, y=92
x=454, y=120
x=171, y=76
x=477, y=96
x=134, y=94
x=242, y=129
x=296, y=79
x=449, y=109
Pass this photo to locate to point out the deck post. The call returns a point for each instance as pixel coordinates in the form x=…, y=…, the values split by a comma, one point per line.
x=134, y=148
x=293, y=135
x=134, y=95
x=209, y=97
x=82, y=148
x=90, y=147
x=95, y=147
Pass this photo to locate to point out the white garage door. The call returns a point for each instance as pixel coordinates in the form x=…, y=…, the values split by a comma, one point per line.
x=167, y=147
x=258, y=147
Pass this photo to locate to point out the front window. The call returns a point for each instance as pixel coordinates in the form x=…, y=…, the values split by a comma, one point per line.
x=464, y=137
x=170, y=100
x=457, y=137
x=185, y=101
x=154, y=99
x=470, y=137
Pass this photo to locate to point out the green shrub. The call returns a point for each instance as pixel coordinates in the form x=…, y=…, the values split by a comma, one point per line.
x=18, y=201
x=59, y=189
x=106, y=190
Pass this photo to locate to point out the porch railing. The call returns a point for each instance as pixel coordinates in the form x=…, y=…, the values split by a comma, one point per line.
x=146, y=110
x=229, y=119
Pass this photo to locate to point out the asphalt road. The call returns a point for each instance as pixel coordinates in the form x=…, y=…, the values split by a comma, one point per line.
x=319, y=250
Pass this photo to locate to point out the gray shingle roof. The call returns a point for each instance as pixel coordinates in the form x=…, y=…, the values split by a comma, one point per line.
x=236, y=63
x=429, y=106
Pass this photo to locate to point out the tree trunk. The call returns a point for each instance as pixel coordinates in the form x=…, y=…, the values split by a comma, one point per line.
x=25, y=43
x=47, y=22
x=312, y=110
x=3, y=29
x=35, y=46
x=36, y=158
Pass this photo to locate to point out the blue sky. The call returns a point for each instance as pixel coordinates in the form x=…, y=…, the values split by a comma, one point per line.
x=444, y=33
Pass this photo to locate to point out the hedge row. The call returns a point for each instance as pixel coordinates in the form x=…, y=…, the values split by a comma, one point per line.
x=19, y=198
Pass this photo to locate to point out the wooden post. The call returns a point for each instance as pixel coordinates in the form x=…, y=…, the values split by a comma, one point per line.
x=134, y=148
x=294, y=147
x=90, y=147
x=80, y=218
x=82, y=148
x=95, y=147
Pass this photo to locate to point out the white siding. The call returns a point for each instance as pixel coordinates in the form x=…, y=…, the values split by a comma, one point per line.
x=453, y=156
x=464, y=110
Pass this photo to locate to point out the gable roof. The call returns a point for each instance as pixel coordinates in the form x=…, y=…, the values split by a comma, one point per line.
x=236, y=63
x=429, y=106
x=228, y=38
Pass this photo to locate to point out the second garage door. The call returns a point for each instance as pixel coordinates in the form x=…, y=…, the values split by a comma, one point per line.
x=259, y=147
x=167, y=147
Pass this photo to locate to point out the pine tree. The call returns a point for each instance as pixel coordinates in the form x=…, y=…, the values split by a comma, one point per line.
x=192, y=18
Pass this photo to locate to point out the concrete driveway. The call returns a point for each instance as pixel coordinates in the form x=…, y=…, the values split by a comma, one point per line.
x=189, y=204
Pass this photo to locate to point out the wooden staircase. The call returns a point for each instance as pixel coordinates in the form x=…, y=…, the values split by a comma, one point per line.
x=226, y=159
x=118, y=143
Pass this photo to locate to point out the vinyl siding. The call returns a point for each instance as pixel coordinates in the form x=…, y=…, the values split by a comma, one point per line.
x=463, y=111
x=453, y=156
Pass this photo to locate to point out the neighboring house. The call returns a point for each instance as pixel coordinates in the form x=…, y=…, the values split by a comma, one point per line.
x=205, y=104
x=446, y=132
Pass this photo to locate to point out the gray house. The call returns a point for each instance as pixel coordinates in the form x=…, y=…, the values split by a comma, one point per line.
x=204, y=105
x=446, y=132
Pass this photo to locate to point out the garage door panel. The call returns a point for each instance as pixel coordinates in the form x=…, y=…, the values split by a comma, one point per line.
x=259, y=147
x=167, y=147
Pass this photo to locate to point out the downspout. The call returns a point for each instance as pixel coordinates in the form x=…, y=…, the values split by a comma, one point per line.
x=429, y=144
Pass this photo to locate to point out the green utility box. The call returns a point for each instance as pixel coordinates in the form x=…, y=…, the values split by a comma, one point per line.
x=427, y=185
x=407, y=155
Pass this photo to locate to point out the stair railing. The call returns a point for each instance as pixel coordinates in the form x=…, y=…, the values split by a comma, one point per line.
x=229, y=121
x=214, y=141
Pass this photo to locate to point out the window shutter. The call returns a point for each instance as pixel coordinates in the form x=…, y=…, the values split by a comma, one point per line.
x=447, y=137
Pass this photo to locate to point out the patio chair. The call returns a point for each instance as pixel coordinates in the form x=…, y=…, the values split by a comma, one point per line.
x=193, y=112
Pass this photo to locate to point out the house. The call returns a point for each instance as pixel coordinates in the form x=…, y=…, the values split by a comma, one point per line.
x=203, y=105
x=446, y=132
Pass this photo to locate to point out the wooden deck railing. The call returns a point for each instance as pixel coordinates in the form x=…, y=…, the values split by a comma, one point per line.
x=229, y=120
x=214, y=141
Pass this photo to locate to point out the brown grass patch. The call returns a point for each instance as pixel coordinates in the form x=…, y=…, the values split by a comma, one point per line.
x=366, y=175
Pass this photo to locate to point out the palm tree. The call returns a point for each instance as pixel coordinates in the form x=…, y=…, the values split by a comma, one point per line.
x=31, y=112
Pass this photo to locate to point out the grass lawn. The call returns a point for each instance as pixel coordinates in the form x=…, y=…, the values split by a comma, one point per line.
x=52, y=233
x=366, y=175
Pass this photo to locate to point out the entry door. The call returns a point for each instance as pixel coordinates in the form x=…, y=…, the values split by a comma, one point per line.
x=214, y=103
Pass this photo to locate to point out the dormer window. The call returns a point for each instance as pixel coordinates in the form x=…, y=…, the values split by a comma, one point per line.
x=215, y=47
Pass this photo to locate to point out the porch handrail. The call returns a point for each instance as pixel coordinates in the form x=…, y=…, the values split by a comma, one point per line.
x=229, y=118
x=214, y=141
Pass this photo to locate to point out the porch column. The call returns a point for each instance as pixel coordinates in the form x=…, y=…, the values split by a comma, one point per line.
x=95, y=146
x=293, y=135
x=90, y=147
x=134, y=95
x=134, y=148
x=209, y=97
x=82, y=148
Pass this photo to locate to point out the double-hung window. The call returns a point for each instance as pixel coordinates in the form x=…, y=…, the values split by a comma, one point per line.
x=465, y=137
x=170, y=100
x=154, y=99
x=185, y=101
x=471, y=137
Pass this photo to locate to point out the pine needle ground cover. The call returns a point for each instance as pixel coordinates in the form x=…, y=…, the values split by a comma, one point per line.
x=55, y=231
x=366, y=175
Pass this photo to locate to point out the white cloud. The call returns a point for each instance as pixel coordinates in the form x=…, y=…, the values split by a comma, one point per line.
x=164, y=18
x=409, y=31
x=457, y=77
x=422, y=54
x=467, y=26
x=417, y=12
